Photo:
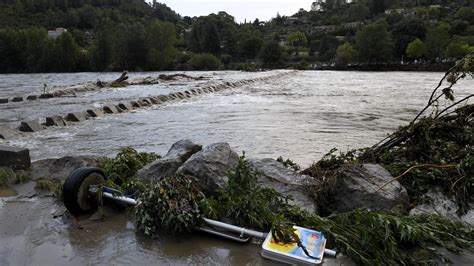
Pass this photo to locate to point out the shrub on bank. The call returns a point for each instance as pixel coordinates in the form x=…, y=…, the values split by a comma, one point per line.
x=203, y=62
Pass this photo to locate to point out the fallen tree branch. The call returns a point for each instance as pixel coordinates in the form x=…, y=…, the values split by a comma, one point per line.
x=415, y=167
x=454, y=104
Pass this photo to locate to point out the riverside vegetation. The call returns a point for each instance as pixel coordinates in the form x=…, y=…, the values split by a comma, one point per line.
x=435, y=150
x=130, y=34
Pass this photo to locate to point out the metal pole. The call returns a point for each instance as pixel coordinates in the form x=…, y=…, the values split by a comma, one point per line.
x=123, y=199
x=236, y=229
x=240, y=230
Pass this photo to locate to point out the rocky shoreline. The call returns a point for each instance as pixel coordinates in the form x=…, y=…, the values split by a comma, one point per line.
x=362, y=186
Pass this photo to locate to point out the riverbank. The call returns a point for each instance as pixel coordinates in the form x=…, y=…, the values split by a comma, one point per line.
x=389, y=67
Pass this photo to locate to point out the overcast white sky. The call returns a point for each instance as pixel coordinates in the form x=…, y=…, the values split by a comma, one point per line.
x=244, y=9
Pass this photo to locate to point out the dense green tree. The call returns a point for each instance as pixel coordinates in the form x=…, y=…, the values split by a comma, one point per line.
x=345, y=54
x=458, y=49
x=215, y=34
x=406, y=31
x=67, y=53
x=101, y=53
x=297, y=39
x=466, y=13
x=250, y=44
x=271, y=53
x=160, y=39
x=357, y=12
x=437, y=38
x=326, y=46
x=416, y=49
x=204, y=62
x=131, y=48
x=374, y=43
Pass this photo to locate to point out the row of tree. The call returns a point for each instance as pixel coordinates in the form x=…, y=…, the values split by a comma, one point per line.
x=129, y=34
x=374, y=44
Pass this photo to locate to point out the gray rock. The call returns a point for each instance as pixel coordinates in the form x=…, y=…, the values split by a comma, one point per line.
x=167, y=166
x=211, y=166
x=55, y=121
x=435, y=202
x=32, y=98
x=3, y=100
x=15, y=158
x=62, y=167
x=31, y=126
x=76, y=117
x=358, y=187
x=289, y=183
x=8, y=133
x=17, y=99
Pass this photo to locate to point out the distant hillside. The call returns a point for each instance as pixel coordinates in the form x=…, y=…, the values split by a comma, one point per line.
x=104, y=35
x=79, y=14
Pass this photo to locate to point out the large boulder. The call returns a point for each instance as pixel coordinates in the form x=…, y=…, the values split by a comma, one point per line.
x=211, y=166
x=274, y=174
x=435, y=202
x=62, y=167
x=366, y=186
x=168, y=164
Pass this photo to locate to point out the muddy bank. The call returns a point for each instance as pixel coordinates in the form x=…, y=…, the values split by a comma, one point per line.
x=38, y=231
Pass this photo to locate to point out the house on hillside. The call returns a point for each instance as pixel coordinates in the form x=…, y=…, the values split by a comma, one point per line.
x=318, y=5
x=354, y=25
x=406, y=12
x=56, y=33
x=295, y=21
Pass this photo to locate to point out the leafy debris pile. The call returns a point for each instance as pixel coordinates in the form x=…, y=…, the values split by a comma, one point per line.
x=171, y=205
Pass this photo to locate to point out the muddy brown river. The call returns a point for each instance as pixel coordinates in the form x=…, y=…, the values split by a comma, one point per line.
x=301, y=116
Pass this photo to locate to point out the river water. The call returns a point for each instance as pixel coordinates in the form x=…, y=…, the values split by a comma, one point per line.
x=299, y=116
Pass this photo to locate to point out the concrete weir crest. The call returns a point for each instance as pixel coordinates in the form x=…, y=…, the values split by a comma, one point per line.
x=77, y=117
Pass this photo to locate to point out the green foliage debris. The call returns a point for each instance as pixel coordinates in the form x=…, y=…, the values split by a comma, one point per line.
x=170, y=205
x=5, y=175
x=126, y=164
x=245, y=202
x=21, y=178
x=52, y=185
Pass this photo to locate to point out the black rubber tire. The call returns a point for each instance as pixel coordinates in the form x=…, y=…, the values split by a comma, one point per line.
x=72, y=187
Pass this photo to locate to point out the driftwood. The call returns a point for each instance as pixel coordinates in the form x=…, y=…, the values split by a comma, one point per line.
x=175, y=76
x=122, y=78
